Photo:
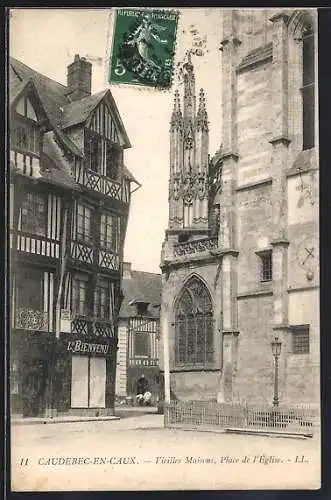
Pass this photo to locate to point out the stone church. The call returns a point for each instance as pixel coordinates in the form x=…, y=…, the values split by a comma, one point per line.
x=240, y=257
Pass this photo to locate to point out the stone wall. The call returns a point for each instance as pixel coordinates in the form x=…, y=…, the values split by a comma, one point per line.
x=254, y=371
x=254, y=233
x=195, y=385
x=254, y=124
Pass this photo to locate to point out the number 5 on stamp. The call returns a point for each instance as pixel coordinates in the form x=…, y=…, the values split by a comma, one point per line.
x=143, y=47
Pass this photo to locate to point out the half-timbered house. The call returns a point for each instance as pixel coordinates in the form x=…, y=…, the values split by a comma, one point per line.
x=69, y=204
x=138, y=332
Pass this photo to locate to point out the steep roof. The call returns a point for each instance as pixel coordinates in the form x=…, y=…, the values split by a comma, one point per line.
x=141, y=287
x=52, y=94
x=55, y=97
x=15, y=88
x=54, y=166
x=77, y=112
x=62, y=113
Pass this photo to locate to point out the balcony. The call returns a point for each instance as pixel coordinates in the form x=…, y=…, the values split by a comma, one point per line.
x=195, y=246
x=101, y=184
x=88, y=254
x=92, y=327
x=29, y=319
x=37, y=245
x=26, y=163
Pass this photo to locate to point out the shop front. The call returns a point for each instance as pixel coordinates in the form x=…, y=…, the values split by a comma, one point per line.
x=88, y=368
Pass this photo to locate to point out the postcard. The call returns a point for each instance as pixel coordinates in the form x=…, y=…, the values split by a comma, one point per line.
x=163, y=176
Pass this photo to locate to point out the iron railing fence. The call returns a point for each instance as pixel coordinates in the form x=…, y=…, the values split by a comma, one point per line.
x=303, y=419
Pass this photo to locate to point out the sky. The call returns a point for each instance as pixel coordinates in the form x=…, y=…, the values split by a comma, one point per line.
x=48, y=39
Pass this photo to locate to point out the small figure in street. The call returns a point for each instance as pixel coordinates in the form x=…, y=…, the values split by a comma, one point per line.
x=143, y=395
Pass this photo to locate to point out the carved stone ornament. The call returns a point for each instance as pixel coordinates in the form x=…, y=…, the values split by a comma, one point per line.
x=175, y=187
x=188, y=190
x=201, y=186
x=188, y=138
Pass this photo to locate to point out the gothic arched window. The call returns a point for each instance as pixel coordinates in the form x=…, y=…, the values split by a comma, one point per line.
x=194, y=325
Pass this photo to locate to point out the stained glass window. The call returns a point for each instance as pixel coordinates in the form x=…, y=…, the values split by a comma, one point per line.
x=194, y=324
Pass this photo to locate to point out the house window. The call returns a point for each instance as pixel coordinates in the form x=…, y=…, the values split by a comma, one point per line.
x=25, y=108
x=30, y=289
x=103, y=156
x=94, y=151
x=265, y=266
x=300, y=339
x=101, y=300
x=142, y=343
x=84, y=215
x=308, y=89
x=113, y=157
x=142, y=308
x=80, y=300
x=194, y=325
x=109, y=232
x=34, y=214
x=25, y=137
x=25, y=134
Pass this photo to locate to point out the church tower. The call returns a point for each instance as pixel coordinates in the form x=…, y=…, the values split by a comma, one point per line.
x=188, y=183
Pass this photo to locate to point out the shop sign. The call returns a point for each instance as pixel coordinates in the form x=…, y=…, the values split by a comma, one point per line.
x=87, y=347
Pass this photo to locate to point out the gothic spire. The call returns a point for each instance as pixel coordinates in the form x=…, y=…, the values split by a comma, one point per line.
x=189, y=89
x=202, y=116
x=176, y=117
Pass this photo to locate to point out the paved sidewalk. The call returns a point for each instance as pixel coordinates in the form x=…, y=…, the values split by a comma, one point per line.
x=60, y=419
x=162, y=452
x=120, y=413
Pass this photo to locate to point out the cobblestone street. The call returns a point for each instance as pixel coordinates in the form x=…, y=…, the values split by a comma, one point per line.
x=139, y=453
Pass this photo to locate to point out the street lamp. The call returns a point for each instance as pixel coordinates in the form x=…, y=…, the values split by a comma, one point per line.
x=276, y=346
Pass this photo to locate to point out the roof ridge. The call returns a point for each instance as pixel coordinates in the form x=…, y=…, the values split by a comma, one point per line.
x=79, y=101
x=146, y=272
x=34, y=71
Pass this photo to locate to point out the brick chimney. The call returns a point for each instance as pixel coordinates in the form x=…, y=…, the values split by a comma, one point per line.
x=79, y=78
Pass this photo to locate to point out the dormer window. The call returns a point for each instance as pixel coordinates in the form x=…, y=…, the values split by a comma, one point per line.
x=25, y=138
x=25, y=134
x=25, y=108
x=113, y=159
x=103, y=156
x=141, y=307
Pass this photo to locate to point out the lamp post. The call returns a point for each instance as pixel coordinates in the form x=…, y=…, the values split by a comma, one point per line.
x=276, y=346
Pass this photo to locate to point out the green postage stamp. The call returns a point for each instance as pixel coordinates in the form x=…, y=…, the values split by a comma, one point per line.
x=143, y=47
